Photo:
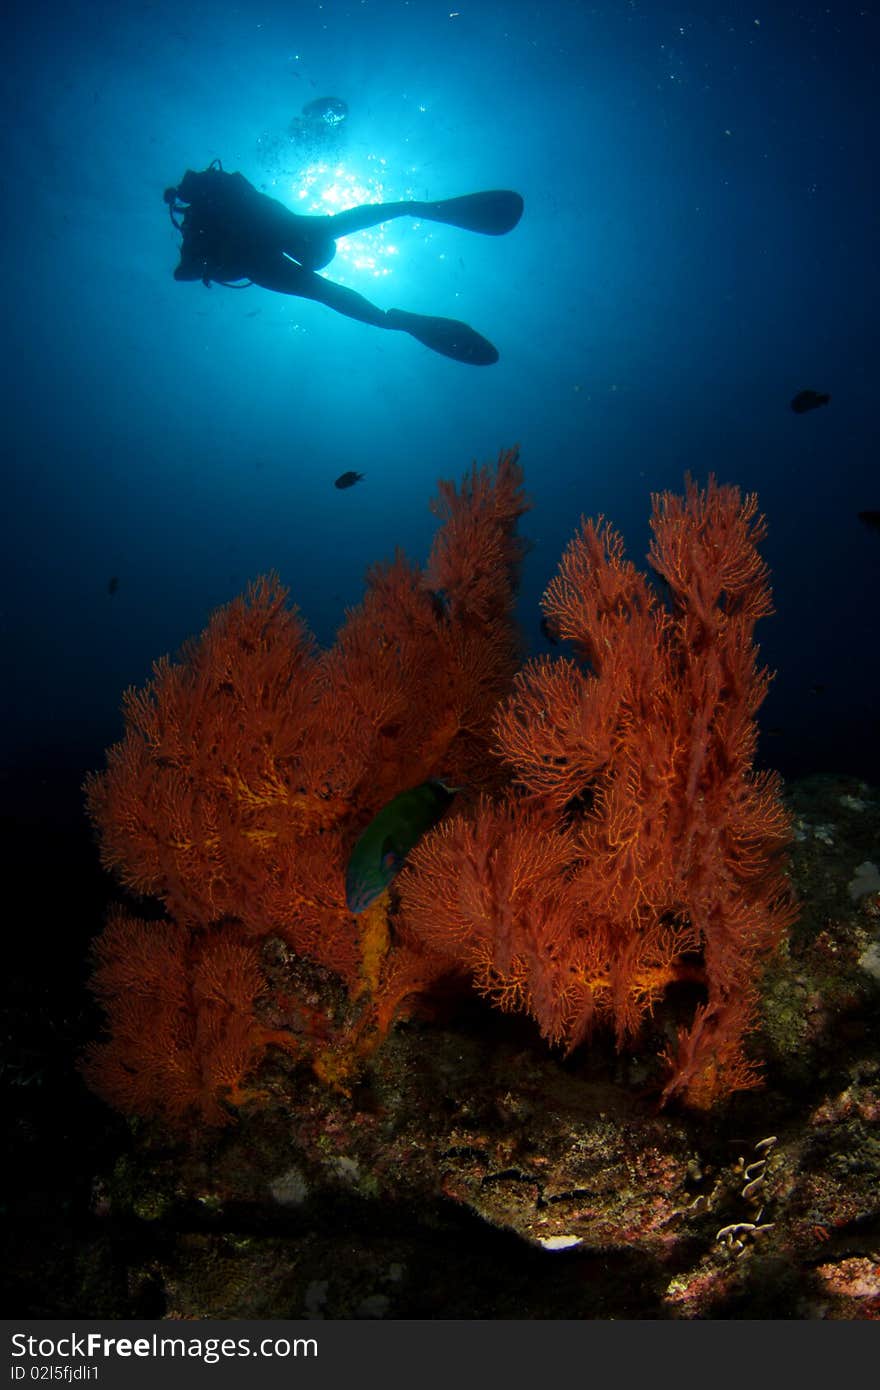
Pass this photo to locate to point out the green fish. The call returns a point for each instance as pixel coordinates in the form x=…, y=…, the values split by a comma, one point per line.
x=381, y=851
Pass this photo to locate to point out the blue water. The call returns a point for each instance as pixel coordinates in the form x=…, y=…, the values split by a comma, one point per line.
x=699, y=243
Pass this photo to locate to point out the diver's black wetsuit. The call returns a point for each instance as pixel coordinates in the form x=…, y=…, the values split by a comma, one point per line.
x=231, y=232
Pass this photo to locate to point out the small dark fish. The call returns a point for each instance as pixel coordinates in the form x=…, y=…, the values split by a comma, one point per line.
x=817, y=689
x=349, y=479
x=808, y=400
x=549, y=631
x=252, y=313
x=381, y=851
x=113, y=584
x=870, y=518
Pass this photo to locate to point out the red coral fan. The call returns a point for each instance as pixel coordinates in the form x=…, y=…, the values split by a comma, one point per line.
x=250, y=765
x=182, y=1035
x=640, y=839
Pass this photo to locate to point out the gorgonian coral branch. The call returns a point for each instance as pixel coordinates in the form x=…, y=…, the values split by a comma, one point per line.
x=251, y=764
x=635, y=790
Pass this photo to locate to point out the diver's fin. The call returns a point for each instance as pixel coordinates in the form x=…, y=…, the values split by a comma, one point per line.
x=494, y=213
x=447, y=336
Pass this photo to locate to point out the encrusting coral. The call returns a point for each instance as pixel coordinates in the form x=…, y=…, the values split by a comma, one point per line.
x=610, y=839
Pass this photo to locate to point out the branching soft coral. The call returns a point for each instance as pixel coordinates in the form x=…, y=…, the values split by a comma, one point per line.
x=617, y=841
x=182, y=1034
x=250, y=765
x=640, y=843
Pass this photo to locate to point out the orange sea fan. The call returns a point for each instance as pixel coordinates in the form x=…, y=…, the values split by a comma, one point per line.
x=705, y=547
x=254, y=745
x=476, y=555
x=598, y=595
x=251, y=763
x=182, y=1035
x=637, y=769
x=198, y=777
x=576, y=716
x=486, y=893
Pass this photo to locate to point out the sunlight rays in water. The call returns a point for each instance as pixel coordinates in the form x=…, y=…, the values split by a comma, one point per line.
x=331, y=186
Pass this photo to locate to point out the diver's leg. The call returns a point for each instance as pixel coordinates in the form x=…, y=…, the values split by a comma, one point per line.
x=493, y=213
x=360, y=218
x=286, y=277
x=446, y=336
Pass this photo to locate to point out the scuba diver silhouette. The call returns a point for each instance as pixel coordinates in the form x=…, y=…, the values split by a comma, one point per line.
x=234, y=235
